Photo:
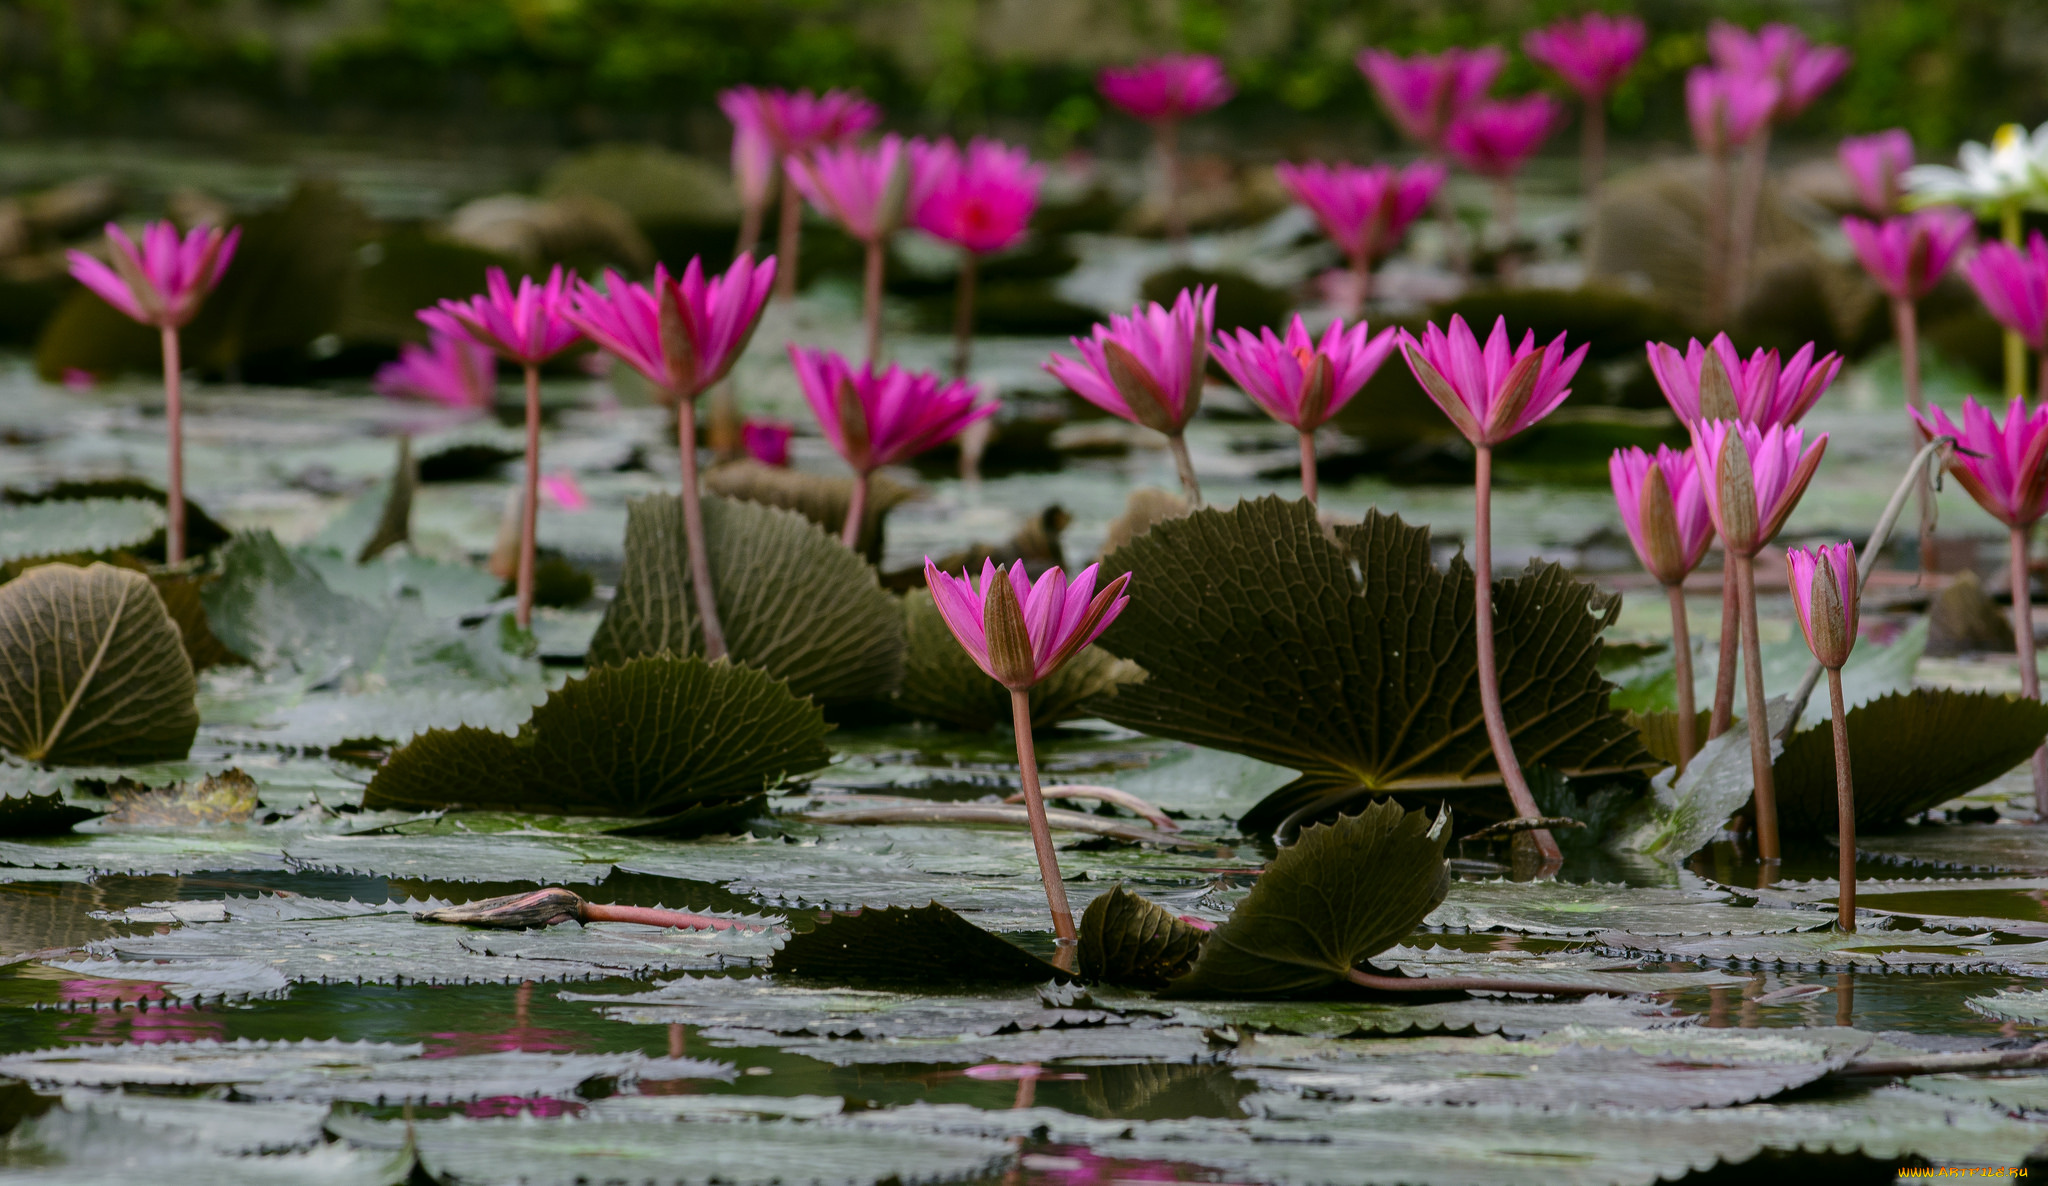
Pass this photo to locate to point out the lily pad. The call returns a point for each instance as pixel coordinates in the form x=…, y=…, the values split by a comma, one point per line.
x=1908, y=751
x=852, y=1014
x=649, y=737
x=1131, y=942
x=2014, y=848
x=1567, y=909
x=1343, y=893
x=1353, y=659
x=65, y=527
x=898, y=946
x=26, y=810
x=793, y=601
x=942, y=683
x=92, y=670
x=2028, y=1005
x=1720, y=781
x=94, y=1146
x=821, y=499
x=1490, y=1015
x=1828, y=950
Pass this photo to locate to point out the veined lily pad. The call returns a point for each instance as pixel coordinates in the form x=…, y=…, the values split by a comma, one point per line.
x=1131, y=942
x=1353, y=659
x=941, y=683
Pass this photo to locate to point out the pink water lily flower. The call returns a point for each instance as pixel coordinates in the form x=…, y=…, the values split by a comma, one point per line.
x=1298, y=380
x=1824, y=594
x=163, y=280
x=1782, y=54
x=880, y=417
x=1496, y=137
x=767, y=441
x=452, y=370
x=1876, y=165
x=527, y=326
x=1422, y=94
x=1364, y=209
x=2013, y=284
x=564, y=491
x=1148, y=369
x=1059, y=618
x=1590, y=52
x=1767, y=393
x=981, y=199
x=1494, y=392
x=2008, y=474
x=1167, y=88
x=1727, y=109
x=1907, y=254
x=713, y=318
x=1664, y=508
x=1778, y=463
x=859, y=188
x=798, y=121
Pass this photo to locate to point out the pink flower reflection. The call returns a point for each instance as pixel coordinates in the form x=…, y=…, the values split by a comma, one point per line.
x=132, y=1011
x=530, y=1039
x=1005, y=1072
x=516, y=1105
x=1075, y=1165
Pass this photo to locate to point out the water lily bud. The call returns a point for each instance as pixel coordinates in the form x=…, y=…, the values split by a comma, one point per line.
x=1009, y=643
x=1824, y=587
x=1735, y=496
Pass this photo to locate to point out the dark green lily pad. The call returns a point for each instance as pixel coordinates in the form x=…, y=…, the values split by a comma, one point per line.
x=650, y=737
x=1907, y=752
x=1343, y=893
x=898, y=946
x=794, y=603
x=1134, y=943
x=25, y=811
x=1352, y=659
x=942, y=683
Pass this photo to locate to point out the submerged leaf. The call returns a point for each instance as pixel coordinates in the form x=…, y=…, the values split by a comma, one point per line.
x=92, y=670
x=914, y=947
x=1907, y=752
x=942, y=683
x=1341, y=894
x=227, y=797
x=1354, y=660
x=1131, y=942
x=650, y=737
x=794, y=602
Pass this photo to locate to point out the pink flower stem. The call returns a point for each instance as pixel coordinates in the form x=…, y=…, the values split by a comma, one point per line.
x=1845, y=808
x=963, y=314
x=1906, y=326
x=2030, y=672
x=1475, y=984
x=1758, y=716
x=1308, y=466
x=1455, y=250
x=1361, y=267
x=1167, y=132
x=1504, y=214
x=788, y=240
x=856, y=510
x=1681, y=662
x=655, y=916
x=693, y=524
x=174, y=424
x=1749, y=198
x=529, y=515
x=1041, y=831
x=750, y=228
x=1489, y=670
x=1592, y=156
x=871, y=296
x=1186, y=465
x=1731, y=634
x=1716, y=263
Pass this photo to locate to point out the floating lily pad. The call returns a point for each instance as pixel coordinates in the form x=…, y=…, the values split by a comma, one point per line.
x=942, y=683
x=1868, y=950
x=1343, y=893
x=92, y=670
x=649, y=737
x=28, y=810
x=1564, y=908
x=2014, y=1004
x=1353, y=660
x=67, y=527
x=93, y=1146
x=1361, y=1018
x=2013, y=1093
x=852, y=1014
x=2016, y=848
x=898, y=946
x=1907, y=752
x=793, y=601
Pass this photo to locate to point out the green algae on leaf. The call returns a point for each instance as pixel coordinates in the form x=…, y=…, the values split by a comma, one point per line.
x=650, y=737
x=927, y=945
x=794, y=602
x=1341, y=894
x=1352, y=659
x=92, y=669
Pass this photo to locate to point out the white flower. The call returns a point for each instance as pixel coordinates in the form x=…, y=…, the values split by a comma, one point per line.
x=2013, y=169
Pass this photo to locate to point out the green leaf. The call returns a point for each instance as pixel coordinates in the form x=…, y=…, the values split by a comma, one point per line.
x=942, y=683
x=63, y=528
x=277, y=612
x=1720, y=781
x=820, y=499
x=1354, y=660
x=794, y=602
x=1907, y=752
x=1131, y=942
x=92, y=669
x=24, y=812
x=914, y=947
x=1341, y=894
x=650, y=737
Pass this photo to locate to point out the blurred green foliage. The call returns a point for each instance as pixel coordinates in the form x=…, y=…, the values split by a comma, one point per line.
x=1946, y=69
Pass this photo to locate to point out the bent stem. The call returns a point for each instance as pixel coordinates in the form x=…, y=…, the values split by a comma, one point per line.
x=963, y=314
x=871, y=297
x=1758, y=717
x=1906, y=327
x=1681, y=660
x=1041, y=831
x=1186, y=465
x=788, y=237
x=529, y=514
x=1489, y=673
x=1845, y=807
x=1724, y=675
x=1474, y=984
x=693, y=523
x=174, y=423
x=1308, y=465
x=2030, y=672
x=856, y=510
